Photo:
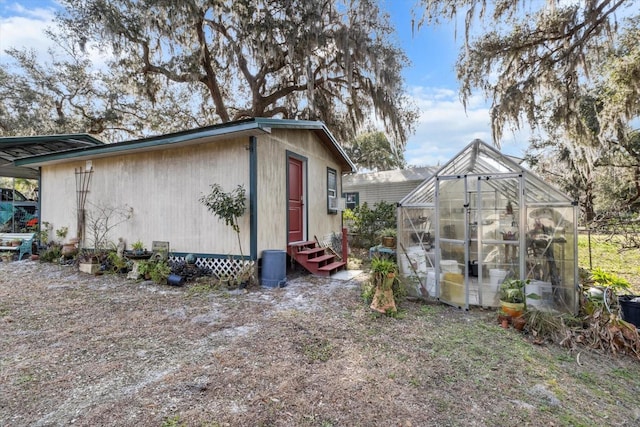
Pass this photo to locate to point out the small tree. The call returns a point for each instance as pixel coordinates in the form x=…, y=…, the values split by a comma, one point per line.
x=228, y=207
x=101, y=219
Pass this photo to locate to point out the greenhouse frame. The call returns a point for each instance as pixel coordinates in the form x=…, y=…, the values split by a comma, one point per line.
x=481, y=219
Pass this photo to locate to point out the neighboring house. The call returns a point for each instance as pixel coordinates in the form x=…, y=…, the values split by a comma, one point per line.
x=290, y=169
x=388, y=186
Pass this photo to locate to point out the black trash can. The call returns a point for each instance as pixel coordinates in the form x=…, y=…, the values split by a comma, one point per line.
x=630, y=305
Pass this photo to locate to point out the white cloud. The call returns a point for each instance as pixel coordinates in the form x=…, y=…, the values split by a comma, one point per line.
x=445, y=128
x=25, y=28
x=22, y=27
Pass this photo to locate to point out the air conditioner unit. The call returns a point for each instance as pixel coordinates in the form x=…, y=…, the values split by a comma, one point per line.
x=333, y=204
x=337, y=203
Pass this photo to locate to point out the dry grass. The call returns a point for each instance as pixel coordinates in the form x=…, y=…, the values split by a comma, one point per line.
x=105, y=351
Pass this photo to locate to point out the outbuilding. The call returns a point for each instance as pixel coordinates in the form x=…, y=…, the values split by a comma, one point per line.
x=291, y=171
x=481, y=219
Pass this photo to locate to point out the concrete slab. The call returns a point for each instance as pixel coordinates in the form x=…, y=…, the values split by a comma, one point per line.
x=346, y=274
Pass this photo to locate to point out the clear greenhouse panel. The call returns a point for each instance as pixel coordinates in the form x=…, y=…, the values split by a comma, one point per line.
x=481, y=219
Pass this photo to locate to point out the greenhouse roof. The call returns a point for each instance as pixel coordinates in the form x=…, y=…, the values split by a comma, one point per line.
x=482, y=160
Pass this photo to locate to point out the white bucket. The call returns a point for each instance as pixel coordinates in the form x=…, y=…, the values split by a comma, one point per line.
x=496, y=277
x=431, y=282
x=449, y=266
x=414, y=262
x=542, y=289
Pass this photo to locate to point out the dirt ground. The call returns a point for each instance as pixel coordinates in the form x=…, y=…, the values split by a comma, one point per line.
x=102, y=350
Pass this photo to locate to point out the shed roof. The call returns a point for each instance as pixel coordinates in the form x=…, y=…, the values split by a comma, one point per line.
x=21, y=147
x=479, y=158
x=390, y=176
x=248, y=127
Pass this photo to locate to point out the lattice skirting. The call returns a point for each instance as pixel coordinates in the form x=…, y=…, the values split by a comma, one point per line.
x=221, y=267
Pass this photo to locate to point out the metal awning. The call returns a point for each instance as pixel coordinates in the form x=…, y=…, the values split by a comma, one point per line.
x=19, y=147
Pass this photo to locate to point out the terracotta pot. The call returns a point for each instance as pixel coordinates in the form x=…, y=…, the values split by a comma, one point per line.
x=505, y=323
x=513, y=309
x=389, y=242
x=519, y=322
x=35, y=257
x=69, y=249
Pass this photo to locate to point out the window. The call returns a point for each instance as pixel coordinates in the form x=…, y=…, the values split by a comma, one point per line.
x=352, y=200
x=332, y=191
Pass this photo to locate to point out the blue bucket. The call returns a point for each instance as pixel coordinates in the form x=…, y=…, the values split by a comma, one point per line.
x=274, y=269
x=175, y=280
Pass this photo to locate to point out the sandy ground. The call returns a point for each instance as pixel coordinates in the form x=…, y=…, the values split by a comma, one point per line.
x=90, y=350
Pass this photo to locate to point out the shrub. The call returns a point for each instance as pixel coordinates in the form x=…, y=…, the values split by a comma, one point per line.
x=367, y=222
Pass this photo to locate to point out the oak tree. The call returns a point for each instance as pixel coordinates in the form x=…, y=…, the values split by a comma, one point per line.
x=329, y=60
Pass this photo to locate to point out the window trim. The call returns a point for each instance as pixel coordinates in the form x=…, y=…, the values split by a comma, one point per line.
x=331, y=171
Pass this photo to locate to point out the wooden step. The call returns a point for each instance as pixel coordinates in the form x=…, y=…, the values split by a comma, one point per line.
x=330, y=268
x=310, y=251
x=302, y=244
x=333, y=266
x=322, y=258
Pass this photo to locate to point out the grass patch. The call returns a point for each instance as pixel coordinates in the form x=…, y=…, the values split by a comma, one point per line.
x=317, y=350
x=608, y=257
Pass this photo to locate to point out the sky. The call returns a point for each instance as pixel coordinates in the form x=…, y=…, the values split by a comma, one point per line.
x=444, y=127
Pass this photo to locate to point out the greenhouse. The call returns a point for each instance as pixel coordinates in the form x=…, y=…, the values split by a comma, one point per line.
x=483, y=219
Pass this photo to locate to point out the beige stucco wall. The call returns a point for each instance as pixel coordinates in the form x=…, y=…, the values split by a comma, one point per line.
x=163, y=188
x=272, y=186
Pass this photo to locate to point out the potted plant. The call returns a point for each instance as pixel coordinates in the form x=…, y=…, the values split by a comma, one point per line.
x=144, y=269
x=383, y=275
x=138, y=247
x=118, y=263
x=503, y=319
x=6, y=256
x=88, y=262
x=160, y=272
x=388, y=237
x=512, y=296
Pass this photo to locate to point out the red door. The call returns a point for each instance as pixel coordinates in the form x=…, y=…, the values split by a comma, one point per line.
x=296, y=200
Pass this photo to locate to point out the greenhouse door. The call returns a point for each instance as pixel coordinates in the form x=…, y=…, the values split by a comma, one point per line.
x=452, y=240
x=478, y=223
x=494, y=244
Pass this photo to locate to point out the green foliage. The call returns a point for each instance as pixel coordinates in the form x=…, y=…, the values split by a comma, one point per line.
x=117, y=262
x=137, y=246
x=384, y=266
x=51, y=254
x=145, y=267
x=609, y=280
x=607, y=255
x=274, y=53
x=173, y=422
x=388, y=232
x=367, y=222
x=373, y=151
x=228, y=207
x=61, y=233
x=512, y=290
x=160, y=272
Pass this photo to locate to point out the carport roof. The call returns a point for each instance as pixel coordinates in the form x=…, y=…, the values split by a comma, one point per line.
x=21, y=147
